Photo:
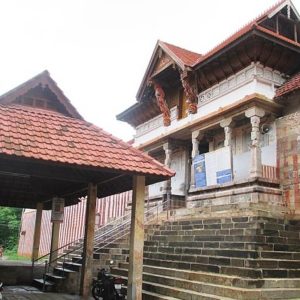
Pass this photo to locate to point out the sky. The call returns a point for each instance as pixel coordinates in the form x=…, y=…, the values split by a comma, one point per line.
x=98, y=51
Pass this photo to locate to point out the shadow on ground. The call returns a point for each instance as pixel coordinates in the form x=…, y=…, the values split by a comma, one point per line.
x=32, y=293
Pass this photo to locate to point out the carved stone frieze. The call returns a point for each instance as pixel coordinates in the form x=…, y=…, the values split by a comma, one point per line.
x=255, y=70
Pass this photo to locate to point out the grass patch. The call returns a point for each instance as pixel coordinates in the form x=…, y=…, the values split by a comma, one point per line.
x=13, y=255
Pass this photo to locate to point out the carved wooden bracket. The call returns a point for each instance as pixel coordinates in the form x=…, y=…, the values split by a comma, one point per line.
x=162, y=104
x=190, y=93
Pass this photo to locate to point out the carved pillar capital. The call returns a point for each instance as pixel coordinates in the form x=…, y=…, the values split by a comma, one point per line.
x=168, y=153
x=227, y=124
x=190, y=92
x=255, y=114
x=162, y=104
x=197, y=134
x=254, y=111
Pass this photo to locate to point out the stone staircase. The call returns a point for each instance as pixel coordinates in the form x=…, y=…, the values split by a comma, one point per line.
x=226, y=258
x=252, y=257
x=111, y=242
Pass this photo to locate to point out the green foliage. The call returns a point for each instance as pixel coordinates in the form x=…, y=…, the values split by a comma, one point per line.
x=13, y=255
x=10, y=219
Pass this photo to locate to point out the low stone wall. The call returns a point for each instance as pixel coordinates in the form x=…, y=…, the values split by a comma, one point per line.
x=255, y=194
x=18, y=273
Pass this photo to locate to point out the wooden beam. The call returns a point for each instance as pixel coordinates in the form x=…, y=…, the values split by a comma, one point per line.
x=37, y=231
x=135, y=273
x=54, y=243
x=88, y=249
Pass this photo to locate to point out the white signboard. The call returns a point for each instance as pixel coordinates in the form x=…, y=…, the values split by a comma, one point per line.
x=58, y=205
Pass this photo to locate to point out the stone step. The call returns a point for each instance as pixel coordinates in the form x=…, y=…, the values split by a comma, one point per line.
x=72, y=266
x=181, y=229
x=111, y=246
x=190, y=235
x=153, y=296
x=226, y=261
x=62, y=271
x=267, y=242
x=225, y=245
x=179, y=293
x=220, y=279
x=225, y=225
x=209, y=220
x=42, y=284
x=220, y=290
x=225, y=269
x=113, y=250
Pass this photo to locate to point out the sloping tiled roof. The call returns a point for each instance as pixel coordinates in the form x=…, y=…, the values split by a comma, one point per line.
x=187, y=57
x=289, y=86
x=49, y=136
x=44, y=79
x=245, y=29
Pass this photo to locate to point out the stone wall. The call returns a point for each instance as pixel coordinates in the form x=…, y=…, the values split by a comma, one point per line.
x=288, y=155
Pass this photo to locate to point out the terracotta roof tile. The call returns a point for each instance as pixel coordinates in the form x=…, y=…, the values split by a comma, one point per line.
x=245, y=29
x=187, y=57
x=289, y=86
x=50, y=136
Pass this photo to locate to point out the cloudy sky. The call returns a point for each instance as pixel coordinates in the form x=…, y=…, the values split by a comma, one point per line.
x=97, y=51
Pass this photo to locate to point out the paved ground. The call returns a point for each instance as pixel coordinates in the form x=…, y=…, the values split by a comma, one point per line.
x=31, y=293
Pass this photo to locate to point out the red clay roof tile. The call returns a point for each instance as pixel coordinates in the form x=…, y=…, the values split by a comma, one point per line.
x=289, y=86
x=239, y=33
x=50, y=136
x=187, y=57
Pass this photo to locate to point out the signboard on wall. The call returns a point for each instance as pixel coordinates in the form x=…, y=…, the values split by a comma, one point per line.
x=200, y=170
x=58, y=205
x=213, y=168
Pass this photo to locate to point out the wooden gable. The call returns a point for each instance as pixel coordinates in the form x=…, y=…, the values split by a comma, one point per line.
x=163, y=61
x=284, y=20
x=41, y=92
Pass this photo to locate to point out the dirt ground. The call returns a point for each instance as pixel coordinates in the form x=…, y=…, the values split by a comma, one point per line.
x=31, y=293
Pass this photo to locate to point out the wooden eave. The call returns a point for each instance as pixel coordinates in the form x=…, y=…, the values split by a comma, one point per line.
x=139, y=113
x=24, y=182
x=215, y=117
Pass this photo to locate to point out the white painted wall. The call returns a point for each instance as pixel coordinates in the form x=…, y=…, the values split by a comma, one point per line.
x=178, y=165
x=253, y=79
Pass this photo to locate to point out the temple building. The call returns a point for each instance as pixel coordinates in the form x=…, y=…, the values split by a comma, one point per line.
x=227, y=225
x=220, y=119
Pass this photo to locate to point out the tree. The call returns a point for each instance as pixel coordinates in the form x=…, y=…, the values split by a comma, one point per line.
x=10, y=219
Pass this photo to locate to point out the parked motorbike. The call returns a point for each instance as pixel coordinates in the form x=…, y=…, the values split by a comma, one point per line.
x=1, y=289
x=107, y=287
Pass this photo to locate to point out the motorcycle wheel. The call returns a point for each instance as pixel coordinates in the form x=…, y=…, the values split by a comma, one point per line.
x=97, y=292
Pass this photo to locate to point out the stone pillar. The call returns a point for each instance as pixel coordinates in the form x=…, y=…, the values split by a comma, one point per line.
x=37, y=231
x=54, y=242
x=227, y=125
x=196, y=137
x=88, y=246
x=255, y=114
x=135, y=273
x=168, y=155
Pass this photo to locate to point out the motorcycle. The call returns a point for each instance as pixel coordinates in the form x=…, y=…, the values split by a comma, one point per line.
x=1, y=289
x=107, y=287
